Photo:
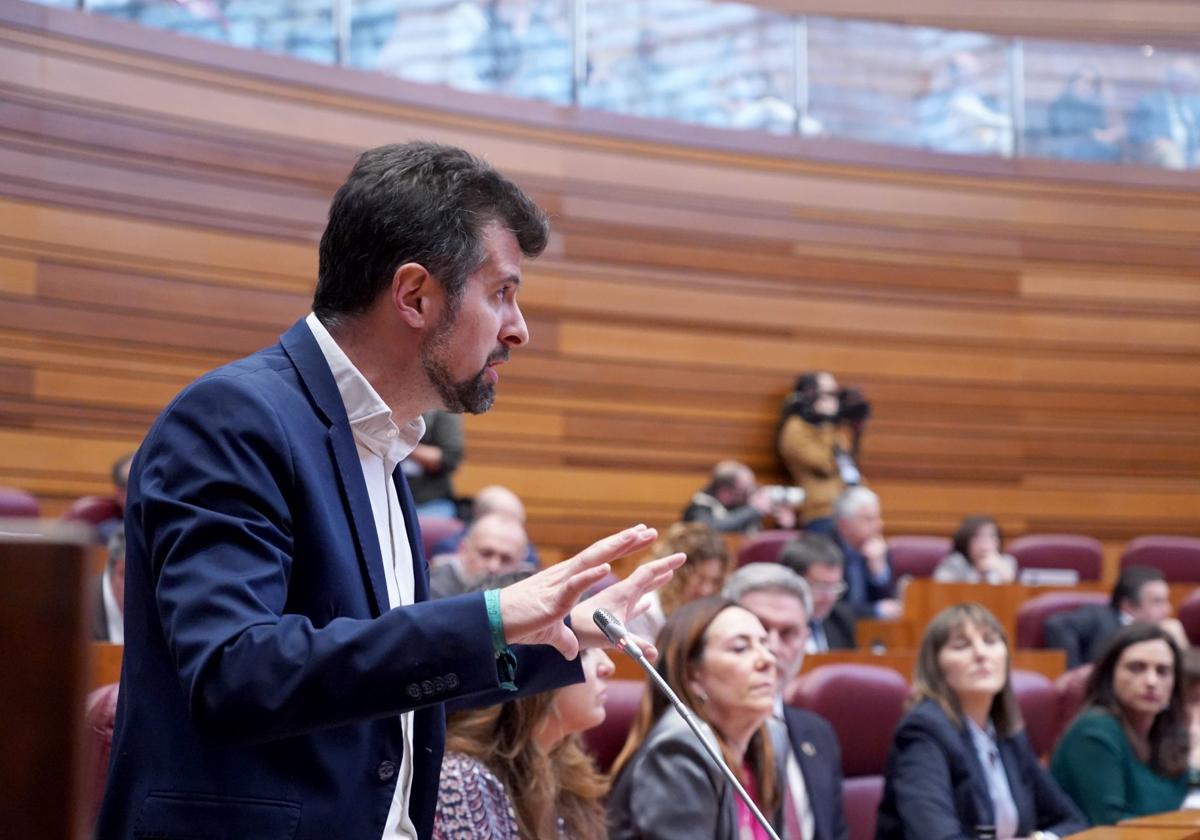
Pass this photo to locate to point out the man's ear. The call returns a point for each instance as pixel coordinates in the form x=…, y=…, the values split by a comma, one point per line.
x=415, y=295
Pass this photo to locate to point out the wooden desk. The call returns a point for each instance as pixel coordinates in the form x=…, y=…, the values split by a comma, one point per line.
x=1130, y=832
x=105, y=664
x=1170, y=819
x=1051, y=663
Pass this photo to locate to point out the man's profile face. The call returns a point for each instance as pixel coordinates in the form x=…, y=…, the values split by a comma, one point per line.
x=827, y=586
x=782, y=616
x=1153, y=602
x=862, y=525
x=462, y=351
x=495, y=545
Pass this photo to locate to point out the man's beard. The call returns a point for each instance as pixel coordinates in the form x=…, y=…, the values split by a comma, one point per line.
x=472, y=396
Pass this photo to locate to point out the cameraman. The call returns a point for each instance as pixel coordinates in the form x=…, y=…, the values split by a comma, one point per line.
x=734, y=503
x=819, y=434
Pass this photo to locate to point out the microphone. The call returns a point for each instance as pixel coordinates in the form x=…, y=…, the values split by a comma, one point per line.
x=615, y=632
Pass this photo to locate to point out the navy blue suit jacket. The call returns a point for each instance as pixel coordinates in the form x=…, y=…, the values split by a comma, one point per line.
x=820, y=758
x=263, y=671
x=935, y=786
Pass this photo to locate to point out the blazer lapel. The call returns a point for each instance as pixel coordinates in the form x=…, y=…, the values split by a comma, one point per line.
x=979, y=785
x=1021, y=788
x=306, y=355
x=413, y=526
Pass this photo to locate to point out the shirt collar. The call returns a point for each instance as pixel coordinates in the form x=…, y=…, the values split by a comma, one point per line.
x=370, y=417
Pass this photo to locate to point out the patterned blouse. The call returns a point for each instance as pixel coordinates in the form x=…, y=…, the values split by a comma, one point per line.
x=473, y=804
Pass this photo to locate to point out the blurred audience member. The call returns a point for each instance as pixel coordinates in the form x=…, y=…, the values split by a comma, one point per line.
x=734, y=503
x=1081, y=122
x=493, y=498
x=958, y=116
x=961, y=764
x=817, y=559
x=519, y=770
x=108, y=617
x=819, y=434
x=977, y=557
x=431, y=465
x=870, y=587
x=1126, y=754
x=715, y=656
x=702, y=574
x=120, y=481
x=1140, y=594
x=1165, y=125
x=494, y=545
x=780, y=599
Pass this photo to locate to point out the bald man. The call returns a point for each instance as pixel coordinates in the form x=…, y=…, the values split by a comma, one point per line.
x=495, y=544
x=494, y=498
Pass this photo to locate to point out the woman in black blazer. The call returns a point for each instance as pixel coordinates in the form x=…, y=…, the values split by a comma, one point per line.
x=961, y=765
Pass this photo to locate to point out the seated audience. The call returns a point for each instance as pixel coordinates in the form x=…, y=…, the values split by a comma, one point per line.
x=961, y=764
x=519, y=770
x=494, y=545
x=1081, y=124
x=870, y=585
x=714, y=655
x=780, y=599
x=108, y=616
x=491, y=499
x=818, y=560
x=120, y=481
x=977, y=557
x=702, y=574
x=430, y=467
x=1126, y=754
x=1140, y=594
x=734, y=503
x=819, y=433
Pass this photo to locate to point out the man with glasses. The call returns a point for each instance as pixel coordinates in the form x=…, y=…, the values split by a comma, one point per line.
x=818, y=560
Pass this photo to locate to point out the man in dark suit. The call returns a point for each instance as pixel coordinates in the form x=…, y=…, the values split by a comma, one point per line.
x=782, y=601
x=284, y=674
x=817, y=559
x=1141, y=594
x=870, y=584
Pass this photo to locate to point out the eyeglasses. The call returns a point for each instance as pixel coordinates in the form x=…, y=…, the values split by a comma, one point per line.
x=829, y=588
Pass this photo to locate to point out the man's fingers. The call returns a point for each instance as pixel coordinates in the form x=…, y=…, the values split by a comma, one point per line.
x=650, y=576
x=572, y=588
x=613, y=547
x=564, y=641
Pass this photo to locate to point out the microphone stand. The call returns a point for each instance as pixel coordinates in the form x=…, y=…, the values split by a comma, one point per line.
x=616, y=633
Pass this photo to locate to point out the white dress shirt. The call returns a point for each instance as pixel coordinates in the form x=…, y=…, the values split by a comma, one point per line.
x=382, y=445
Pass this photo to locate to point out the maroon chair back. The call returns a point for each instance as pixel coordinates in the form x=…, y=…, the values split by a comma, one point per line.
x=99, y=716
x=1189, y=617
x=93, y=510
x=1059, y=551
x=434, y=529
x=1032, y=615
x=917, y=555
x=622, y=699
x=841, y=693
x=1071, y=688
x=764, y=547
x=1178, y=558
x=861, y=796
x=17, y=503
x=1039, y=706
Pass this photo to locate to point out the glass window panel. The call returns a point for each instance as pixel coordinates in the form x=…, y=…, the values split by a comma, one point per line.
x=518, y=48
x=910, y=86
x=62, y=4
x=301, y=28
x=1112, y=104
x=720, y=64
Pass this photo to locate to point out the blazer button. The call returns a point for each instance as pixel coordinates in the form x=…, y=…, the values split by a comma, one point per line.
x=439, y=685
x=386, y=770
x=427, y=688
x=414, y=691
x=451, y=682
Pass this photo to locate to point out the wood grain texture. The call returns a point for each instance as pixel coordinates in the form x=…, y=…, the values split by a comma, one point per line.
x=1029, y=335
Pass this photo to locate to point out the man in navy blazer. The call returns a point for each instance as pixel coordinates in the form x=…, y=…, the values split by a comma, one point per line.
x=782, y=601
x=284, y=674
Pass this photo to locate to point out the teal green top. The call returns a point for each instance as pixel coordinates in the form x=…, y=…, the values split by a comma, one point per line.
x=1096, y=766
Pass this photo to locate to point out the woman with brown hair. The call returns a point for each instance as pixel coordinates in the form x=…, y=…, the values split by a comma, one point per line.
x=702, y=574
x=714, y=654
x=961, y=764
x=1126, y=754
x=519, y=770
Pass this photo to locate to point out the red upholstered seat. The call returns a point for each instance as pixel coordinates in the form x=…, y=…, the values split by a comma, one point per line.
x=1059, y=551
x=861, y=797
x=1039, y=706
x=99, y=716
x=917, y=555
x=93, y=510
x=1070, y=688
x=17, y=503
x=621, y=702
x=1178, y=558
x=1189, y=617
x=1032, y=615
x=434, y=529
x=863, y=703
x=765, y=547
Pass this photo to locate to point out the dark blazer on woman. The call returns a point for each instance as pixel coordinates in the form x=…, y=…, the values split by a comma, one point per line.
x=936, y=788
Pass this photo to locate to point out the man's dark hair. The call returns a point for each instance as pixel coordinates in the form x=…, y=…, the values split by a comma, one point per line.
x=809, y=550
x=1130, y=583
x=419, y=203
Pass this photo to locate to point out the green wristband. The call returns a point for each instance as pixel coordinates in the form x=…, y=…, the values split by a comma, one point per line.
x=506, y=660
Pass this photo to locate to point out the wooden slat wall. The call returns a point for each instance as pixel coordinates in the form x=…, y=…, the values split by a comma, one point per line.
x=1030, y=338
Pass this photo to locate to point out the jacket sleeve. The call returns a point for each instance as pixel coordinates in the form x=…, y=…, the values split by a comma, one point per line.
x=920, y=777
x=1055, y=812
x=673, y=795
x=1063, y=631
x=1090, y=756
x=215, y=482
x=807, y=448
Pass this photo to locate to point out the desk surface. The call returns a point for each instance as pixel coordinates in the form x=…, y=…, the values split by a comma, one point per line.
x=1171, y=819
x=1131, y=832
